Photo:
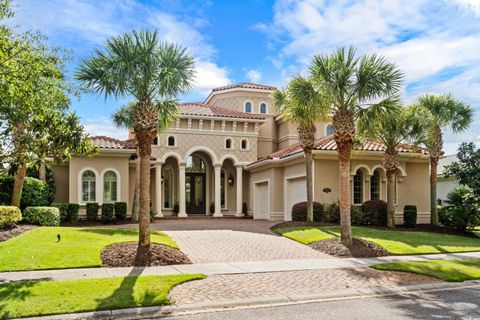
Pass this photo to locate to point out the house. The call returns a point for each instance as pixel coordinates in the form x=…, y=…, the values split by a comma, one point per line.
x=234, y=148
x=445, y=185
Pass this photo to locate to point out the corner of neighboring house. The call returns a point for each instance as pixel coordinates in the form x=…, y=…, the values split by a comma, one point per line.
x=445, y=185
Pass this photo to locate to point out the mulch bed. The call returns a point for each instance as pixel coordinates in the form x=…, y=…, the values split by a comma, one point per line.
x=359, y=249
x=8, y=233
x=301, y=224
x=125, y=255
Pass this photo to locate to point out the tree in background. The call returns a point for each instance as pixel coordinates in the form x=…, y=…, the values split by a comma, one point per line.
x=466, y=168
x=393, y=128
x=302, y=104
x=355, y=87
x=153, y=74
x=439, y=112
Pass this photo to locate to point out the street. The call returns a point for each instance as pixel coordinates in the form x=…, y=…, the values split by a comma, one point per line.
x=446, y=304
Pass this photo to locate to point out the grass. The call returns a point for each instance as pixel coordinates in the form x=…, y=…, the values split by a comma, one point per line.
x=395, y=242
x=39, y=298
x=448, y=270
x=79, y=247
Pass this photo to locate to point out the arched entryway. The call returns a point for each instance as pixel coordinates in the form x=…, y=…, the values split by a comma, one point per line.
x=196, y=185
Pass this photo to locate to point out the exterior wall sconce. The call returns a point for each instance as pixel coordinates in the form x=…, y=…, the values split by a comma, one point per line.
x=230, y=180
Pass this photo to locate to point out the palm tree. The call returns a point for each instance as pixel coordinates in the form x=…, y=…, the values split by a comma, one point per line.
x=392, y=128
x=139, y=66
x=302, y=104
x=440, y=111
x=356, y=87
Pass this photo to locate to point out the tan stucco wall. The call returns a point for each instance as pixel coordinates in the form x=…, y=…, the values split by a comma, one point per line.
x=60, y=174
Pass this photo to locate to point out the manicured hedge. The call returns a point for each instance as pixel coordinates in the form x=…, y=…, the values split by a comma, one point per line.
x=44, y=216
x=35, y=192
x=107, y=213
x=68, y=211
x=299, y=212
x=356, y=216
x=374, y=212
x=410, y=216
x=92, y=211
x=63, y=209
x=9, y=216
x=120, y=210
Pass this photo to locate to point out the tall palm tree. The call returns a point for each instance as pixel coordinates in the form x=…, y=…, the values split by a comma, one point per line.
x=392, y=128
x=139, y=66
x=356, y=87
x=302, y=104
x=440, y=111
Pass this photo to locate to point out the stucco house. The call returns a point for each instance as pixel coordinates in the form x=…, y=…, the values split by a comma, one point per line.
x=445, y=185
x=231, y=149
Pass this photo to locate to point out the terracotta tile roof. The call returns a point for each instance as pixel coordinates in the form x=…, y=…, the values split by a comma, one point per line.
x=328, y=144
x=200, y=109
x=245, y=85
x=105, y=142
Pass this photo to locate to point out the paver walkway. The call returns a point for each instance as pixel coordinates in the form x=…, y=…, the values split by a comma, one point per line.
x=207, y=246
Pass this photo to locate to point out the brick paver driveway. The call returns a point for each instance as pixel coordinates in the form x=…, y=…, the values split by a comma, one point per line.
x=231, y=240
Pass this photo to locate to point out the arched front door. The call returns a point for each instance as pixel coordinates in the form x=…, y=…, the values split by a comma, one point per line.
x=195, y=184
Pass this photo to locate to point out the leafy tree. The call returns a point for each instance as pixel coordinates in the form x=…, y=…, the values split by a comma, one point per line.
x=392, y=128
x=462, y=209
x=355, y=87
x=438, y=112
x=302, y=104
x=466, y=169
x=138, y=65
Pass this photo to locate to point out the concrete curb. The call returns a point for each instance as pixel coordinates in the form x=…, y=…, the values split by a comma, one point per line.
x=202, y=307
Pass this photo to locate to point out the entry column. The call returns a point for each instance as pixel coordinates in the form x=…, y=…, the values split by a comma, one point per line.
x=158, y=189
x=218, y=203
x=182, y=212
x=239, y=212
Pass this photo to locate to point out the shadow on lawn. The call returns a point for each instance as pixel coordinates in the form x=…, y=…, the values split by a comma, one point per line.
x=18, y=290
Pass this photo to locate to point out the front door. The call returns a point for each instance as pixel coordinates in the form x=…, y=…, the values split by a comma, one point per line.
x=195, y=193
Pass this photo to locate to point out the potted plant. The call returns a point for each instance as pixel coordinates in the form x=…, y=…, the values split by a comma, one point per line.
x=176, y=208
x=212, y=208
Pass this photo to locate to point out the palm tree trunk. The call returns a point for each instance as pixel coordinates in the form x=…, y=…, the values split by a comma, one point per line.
x=308, y=169
x=391, y=199
x=42, y=171
x=18, y=185
x=433, y=190
x=136, y=192
x=344, y=150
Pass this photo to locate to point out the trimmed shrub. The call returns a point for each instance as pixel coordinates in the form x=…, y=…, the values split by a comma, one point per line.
x=44, y=216
x=63, y=209
x=121, y=210
x=9, y=216
x=333, y=213
x=73, y=209
x=410, y=216
x=107, y=212
x=92, y=211
x=299, y=212
x=375, y=212
x=35, y=192
x=152, y=215
x=356, y=215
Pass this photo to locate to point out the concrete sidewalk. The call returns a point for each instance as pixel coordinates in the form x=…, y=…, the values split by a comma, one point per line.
x=226, y=267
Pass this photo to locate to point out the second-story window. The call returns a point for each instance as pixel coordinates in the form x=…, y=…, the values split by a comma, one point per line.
x=263, y=108
x=155, y=141
x=244, y=144
x=171, y=141
x=248, y=107
x=228, y=144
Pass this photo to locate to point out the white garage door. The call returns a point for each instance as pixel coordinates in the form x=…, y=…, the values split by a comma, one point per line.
x=262, y=200
x=296, y=191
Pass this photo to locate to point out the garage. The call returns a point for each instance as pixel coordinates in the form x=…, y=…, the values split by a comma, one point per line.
x=295, y=192
x=262, y=201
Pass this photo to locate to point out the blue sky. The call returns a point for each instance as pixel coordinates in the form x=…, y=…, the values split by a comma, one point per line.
x=435, y=42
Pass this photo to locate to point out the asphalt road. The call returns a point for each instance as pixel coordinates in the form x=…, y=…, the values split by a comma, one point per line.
x=447, y=304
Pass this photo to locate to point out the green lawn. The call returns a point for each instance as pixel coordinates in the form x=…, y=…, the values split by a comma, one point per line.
x=395, y=242
x=448, y=270
x=36, y=298
x=79, y=247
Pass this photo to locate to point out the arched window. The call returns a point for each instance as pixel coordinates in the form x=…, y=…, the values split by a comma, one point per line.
x=195, y=164
x=168, y=188
x=244, y=144
x=223, y=197
x=358, y=187
x=228, y=144
x=329, y=130
x=88, y=186
x=248, y=107
x=375, y=185
x=155, y=141
x=263, y=107
x=171, y=141
x=109, y=186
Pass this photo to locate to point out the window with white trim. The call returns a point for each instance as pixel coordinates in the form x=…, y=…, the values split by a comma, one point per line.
x=88, y=186
x=329, y=130
x=168, y=188
x=228, y=144
x=375, y=185
x=263, y=107
x=244, y=144
x=248, y=107
x=171, y=141
x=110, y=186
x=358, y=187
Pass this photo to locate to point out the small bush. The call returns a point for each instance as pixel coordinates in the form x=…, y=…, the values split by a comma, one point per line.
x=121, y=210
x=375, y=212
x=35, y=192
x=152, y=215
x=92, y=211
x=107, y=212
x=73, y=209
x=9, y=216
x=410, y=216
x=461, y=211
x=299, y=211
x=356, y=215
x=332, y=212
x=44, y=216
x=63, y=209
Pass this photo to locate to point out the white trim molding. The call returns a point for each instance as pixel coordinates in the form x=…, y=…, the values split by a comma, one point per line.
x=119, y=189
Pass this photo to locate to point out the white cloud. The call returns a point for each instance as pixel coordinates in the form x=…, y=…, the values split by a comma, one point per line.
x=473, y=5
x=208, y=76
x=254, y=76
x=104, y=126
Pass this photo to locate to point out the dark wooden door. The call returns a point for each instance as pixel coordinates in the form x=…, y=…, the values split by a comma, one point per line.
x=195, y=193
